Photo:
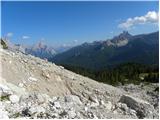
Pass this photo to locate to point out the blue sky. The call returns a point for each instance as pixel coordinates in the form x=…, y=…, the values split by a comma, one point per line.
x=71, y=23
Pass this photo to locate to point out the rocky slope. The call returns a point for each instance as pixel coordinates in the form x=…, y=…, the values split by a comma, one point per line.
x=34, y=88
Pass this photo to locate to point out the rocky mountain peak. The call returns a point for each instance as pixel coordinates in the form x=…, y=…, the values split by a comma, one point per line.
x=120, y=40
x=122, y=36
x=40, y=45
x=125, y=34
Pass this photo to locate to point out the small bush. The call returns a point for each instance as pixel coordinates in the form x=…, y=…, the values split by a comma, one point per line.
x=4, y=45
x=3, y=98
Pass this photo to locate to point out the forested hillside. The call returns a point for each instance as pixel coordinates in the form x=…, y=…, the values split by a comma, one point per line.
x=122, y=74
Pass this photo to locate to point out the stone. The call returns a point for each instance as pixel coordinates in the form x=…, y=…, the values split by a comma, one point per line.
x=54, y=98
x=14, y=98
x=94, y=104
x=3, y=114
x=92, y=115
x=63, y=114
x=93, y=98
x=40, y=98
x=61, y=67
x=85, y=108
x=71, y=114
x=32, y=79
x=143, y=108
x=58, y=78
x=73, y=98
x=21, y=85
x=4, y=90
x=132, y=112
x=108, y=105
x=122, y=106
x=36, y=109
x=10, y=61
x=57, y=104
x=101, y=102
x=26, y=112
x=45, y=74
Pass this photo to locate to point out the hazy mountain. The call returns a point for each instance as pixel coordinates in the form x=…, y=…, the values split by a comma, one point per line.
x=41, y=50
x=122, y=48
x=63, y=48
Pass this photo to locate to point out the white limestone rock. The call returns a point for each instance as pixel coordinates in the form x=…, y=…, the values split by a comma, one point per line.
x=3, y=114
x=21, y=85
x=5, y=90
x=57, y=104
x=36, y=109
x=71, y=114
x=32, y=79
x=73, y=98
x=108, y=105
x=14, y=98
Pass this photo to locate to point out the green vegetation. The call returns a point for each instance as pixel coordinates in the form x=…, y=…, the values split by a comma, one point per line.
x=4, y=45
x=16, y=115
x=121, y=74
x=152, y=77
x=4, y=98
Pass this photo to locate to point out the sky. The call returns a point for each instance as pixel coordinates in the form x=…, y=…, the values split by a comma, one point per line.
x=72, y=23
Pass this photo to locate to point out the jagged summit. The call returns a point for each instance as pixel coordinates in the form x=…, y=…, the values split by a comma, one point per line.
x=122, y=39
x=124, y=34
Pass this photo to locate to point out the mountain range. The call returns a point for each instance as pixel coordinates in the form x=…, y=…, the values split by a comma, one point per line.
x=41, y=50
x=143, y=48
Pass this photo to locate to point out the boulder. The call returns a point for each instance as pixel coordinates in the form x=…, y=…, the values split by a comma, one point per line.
x=21, y=85
x=14, y=98
x=122, y=106
x=32, y=79
x=93, y=104
x=36, y=109
x=73, y=98
x=57, y=104
x=40, y=98
x=93, y=98
x=71, y=114
x=46, y=74
x=3, y=113
x=4, y=90
x=143, y=108
x=85, y=109
x=108, y=105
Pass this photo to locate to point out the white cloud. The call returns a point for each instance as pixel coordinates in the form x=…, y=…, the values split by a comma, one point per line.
x=150, y=17
x=75, y=41
x=66, y=45
x=25, y=37
x=10, y=34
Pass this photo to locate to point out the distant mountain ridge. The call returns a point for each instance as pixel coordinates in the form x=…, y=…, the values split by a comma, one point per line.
x=123, y=48
x=41, y=50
